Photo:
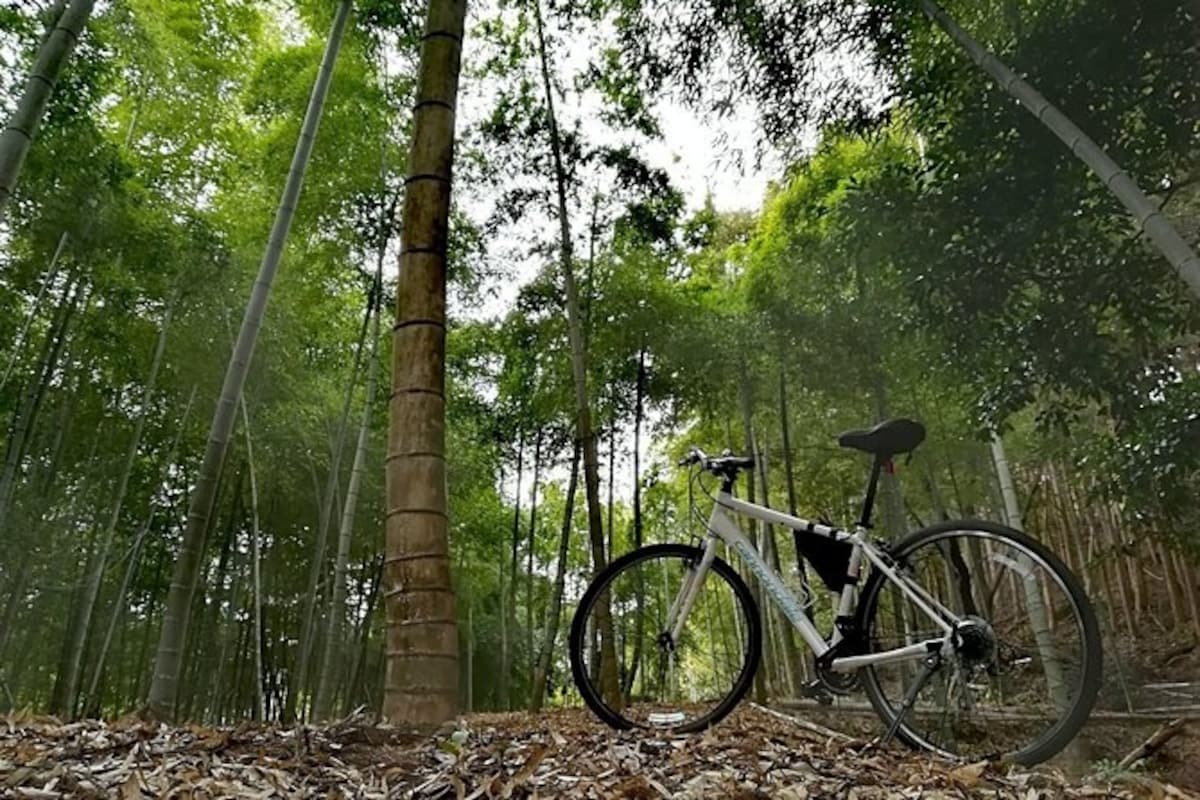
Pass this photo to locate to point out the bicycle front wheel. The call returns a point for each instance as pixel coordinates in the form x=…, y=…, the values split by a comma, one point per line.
x=1026, y=669
x=631, y=670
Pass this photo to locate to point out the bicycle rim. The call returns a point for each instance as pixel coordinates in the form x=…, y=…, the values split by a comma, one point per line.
x=679, y=684
x=1024, y=677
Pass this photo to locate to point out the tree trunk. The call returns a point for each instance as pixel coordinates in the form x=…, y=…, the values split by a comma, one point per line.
x=210, y=647
x=790, y=663
x=612, y=471
x=131, y=568
x=19, y=341
x=363, y=634
x=747, y=407
x=31, y=401
x=327, y=681
x=609, y=684
x=260, y=706
x=164, y=685
x=422, y=639
x=508, y=593
x=550, y=635
x=1034, y=602
x=890, y=490
x=789, y=470
x=639, y=410
x=1145, y=212
x=87, y=605
x=533, y=509
x=327, y=501
x=23, y=124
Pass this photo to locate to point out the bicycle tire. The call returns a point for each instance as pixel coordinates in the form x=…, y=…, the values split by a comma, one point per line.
x=753, y=652
x=1068, y=725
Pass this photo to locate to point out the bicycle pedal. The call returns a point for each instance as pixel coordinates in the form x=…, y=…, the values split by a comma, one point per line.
x=815, y=690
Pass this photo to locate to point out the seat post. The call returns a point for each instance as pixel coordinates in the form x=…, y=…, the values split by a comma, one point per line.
x=872, y=486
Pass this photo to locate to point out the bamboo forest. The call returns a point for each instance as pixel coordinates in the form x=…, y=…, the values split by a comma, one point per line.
x=344, y=344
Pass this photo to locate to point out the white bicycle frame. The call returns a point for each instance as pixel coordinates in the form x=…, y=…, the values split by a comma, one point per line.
x=721, y=528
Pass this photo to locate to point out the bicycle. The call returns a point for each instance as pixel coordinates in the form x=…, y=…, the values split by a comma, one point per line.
x=970, y=639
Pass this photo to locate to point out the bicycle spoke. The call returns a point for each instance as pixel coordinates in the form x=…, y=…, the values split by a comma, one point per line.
x=687, y=679
x=1012, y=678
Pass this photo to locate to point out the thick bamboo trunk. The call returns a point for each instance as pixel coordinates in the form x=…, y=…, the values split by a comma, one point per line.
x=422, y=638
x=23, y=124
x=550, y=635
x=327, y=678
x=1148, y=216
x=164, y=687
x=609, y=682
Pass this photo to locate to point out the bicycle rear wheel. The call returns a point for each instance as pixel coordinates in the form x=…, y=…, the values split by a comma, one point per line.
x=680, y=685
x=1024, y=675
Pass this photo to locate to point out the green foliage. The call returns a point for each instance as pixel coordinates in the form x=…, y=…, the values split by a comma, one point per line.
x=936, y=254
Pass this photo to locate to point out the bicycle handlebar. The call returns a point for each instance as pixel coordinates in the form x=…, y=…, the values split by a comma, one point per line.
x=695, y=456
x=728, y=465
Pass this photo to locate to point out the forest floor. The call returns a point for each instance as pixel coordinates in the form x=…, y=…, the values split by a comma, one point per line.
x=754, y=754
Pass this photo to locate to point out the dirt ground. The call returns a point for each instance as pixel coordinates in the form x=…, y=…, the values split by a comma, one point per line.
x=755, y=754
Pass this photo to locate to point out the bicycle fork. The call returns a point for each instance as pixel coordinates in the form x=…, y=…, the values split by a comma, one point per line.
x=689, y=591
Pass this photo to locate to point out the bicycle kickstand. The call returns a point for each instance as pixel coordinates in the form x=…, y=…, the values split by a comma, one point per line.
x=929, y=665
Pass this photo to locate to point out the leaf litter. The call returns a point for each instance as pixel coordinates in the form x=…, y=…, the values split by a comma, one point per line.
x=756, y=754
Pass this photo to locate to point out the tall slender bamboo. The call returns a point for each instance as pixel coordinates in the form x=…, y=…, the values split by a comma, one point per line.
x=639, y=627
x=260, y=704
x=1149, y=217
x=93, y=697
x=326, y=503
x=508, y=591
x=23, y=124
x=533, y=509
x=550, y=635
x=31, y=399
x=326, y=681
x=47, y=282
x=99, y=562
x=164, y=687
x=421, y=682
x=609, y=682
x=1035, y=604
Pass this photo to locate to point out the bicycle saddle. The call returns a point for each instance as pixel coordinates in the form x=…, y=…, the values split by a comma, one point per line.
x=888, y=438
